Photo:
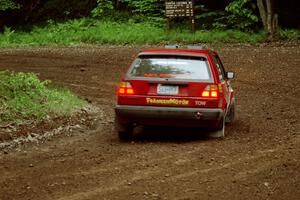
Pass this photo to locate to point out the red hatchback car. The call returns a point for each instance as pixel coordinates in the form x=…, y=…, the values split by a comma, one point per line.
x=175, y=87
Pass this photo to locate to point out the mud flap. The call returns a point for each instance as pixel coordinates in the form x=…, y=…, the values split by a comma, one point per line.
x=218, y=133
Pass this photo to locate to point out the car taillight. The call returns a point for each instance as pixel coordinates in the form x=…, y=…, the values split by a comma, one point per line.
x=125, y=88
x=212, y=91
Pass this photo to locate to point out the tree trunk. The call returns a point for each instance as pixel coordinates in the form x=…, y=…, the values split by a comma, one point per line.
x=268, y=17
x=262, y=12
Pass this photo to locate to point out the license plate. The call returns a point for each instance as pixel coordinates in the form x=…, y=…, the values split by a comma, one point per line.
x=167, y=89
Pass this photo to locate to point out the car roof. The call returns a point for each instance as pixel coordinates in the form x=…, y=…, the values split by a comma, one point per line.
x=165, y=51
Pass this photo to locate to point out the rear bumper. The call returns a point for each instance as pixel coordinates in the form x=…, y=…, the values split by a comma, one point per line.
x=169, y=116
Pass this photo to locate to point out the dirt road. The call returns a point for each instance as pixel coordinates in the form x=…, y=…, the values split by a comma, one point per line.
x=258, y=159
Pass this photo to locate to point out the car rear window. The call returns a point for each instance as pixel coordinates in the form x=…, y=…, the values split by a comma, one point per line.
x=177, y=67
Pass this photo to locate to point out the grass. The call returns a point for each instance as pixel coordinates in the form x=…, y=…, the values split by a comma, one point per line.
x=289, y=34
x=24, y=97
x=92, y=31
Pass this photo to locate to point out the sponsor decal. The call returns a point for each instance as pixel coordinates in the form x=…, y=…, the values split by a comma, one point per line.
x=182, y=102
x=200, y=103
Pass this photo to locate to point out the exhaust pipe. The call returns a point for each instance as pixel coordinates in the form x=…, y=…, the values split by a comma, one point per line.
x=198, y=115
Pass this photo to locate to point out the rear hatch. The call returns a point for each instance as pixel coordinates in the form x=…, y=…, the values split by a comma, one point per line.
x=169, y=80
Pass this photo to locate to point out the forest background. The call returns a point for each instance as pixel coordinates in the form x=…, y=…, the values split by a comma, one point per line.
x=59, y=22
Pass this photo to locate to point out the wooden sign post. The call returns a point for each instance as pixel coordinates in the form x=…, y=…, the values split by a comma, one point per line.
x=183, y=8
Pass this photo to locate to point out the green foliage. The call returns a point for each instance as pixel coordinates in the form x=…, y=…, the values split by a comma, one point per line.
x=290, y=34
x=149, y=11
x=146, y=7
x=14, y=83
x=103, y=6
x=75, y=25
x=8, y=34
x=222, y=15
x=238, y=15
x=137, y=11
x=85, y=30
x=8, y=4
x=241, y=15
x=24, y=97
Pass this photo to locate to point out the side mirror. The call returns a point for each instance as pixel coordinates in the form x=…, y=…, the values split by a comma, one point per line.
x=230, y=75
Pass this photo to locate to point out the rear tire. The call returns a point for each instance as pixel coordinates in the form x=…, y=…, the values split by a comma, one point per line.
x=231, y=113
x=125, y=135
x=125, y=131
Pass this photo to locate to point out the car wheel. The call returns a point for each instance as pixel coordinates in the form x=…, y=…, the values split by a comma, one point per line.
x=219, y=132
x=231, y=113
x=125, y=135
x=125, y=132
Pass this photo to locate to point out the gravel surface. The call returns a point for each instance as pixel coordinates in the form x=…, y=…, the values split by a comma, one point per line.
x=258, y=159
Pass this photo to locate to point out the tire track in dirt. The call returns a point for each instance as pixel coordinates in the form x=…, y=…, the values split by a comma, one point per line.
x=251, y=169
